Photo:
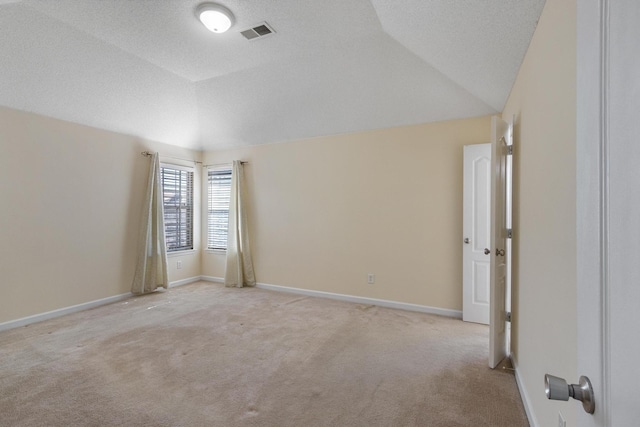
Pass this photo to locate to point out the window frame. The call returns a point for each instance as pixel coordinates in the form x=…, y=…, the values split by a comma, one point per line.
x=225, y=169
x=189, y=244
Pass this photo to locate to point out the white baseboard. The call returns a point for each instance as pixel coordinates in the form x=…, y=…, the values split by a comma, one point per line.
x=342, y=297
x=365, y=300
x=212, y=279
x=351, y=298
x=62, y=311
x=185, y=281
x=533, y=422
x=79, y=307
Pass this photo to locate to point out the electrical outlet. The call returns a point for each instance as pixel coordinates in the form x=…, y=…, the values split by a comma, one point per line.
x=179, y=265
x=371, y=278
x=561, y=421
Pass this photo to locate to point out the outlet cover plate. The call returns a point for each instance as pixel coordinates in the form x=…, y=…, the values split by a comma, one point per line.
x=561, y=420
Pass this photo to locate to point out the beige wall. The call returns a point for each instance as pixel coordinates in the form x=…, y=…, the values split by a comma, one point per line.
x=70, y=200
x=543, y=101
x=327, y=211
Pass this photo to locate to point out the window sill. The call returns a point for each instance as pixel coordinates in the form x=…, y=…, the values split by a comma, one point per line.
x=182, y=253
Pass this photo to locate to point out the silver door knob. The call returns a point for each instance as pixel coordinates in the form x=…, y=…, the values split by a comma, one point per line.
x=466, y=240
x=487, y=251
x=557, y=389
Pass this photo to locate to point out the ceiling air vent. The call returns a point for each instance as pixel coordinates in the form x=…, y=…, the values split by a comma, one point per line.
x=259, y=31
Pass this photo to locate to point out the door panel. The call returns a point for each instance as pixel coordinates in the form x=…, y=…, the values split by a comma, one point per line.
x=476, y=231
x=481, y=279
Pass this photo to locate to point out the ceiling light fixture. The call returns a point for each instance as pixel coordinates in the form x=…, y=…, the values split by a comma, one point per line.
x=215, y=17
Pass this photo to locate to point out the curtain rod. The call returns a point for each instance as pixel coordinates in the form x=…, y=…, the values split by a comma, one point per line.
x=149, y=154
x=223, y=164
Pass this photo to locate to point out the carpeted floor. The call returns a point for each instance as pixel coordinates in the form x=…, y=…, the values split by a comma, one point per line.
x=205, y=355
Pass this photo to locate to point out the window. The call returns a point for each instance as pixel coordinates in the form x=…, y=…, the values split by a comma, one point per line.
x=177, y=191
x=218, y=217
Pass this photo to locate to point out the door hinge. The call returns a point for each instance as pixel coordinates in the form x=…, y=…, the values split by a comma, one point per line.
x=509, y=150
x=509, y=233
x=508, y=316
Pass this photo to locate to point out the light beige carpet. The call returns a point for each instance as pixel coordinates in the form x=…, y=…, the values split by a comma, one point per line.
x=205, y=355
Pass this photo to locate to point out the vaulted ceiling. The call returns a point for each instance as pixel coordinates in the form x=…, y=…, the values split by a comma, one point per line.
x=149, y=68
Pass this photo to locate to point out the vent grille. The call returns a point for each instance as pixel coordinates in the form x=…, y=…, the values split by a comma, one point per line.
x=259, y=31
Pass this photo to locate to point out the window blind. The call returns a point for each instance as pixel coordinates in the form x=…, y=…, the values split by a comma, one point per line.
x=177, y=189
x=219, y=181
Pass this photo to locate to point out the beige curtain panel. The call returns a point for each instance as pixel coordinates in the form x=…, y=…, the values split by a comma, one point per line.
x=239, y=271
x=151, y=269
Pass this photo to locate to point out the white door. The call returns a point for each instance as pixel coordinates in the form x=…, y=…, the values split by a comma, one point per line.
x=476, y=233
x=497, y=327
x=608, y=208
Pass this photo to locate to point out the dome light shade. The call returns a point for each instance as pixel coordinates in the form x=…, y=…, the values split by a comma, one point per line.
x=215, y=17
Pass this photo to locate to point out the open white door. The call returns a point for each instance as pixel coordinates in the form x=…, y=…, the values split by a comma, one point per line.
x=608, y=209
x=476, y=231
x=498, y=246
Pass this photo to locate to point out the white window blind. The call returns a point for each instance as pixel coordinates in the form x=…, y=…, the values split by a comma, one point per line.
x=218, y=216
x=177, y=190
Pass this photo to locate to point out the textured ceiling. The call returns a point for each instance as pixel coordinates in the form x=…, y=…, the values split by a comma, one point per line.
x=149, y=68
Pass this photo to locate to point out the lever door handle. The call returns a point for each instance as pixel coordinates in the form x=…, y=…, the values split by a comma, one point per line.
x=558, y=389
